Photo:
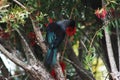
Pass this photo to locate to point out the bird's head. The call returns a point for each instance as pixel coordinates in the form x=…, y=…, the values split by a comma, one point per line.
x=71, y=29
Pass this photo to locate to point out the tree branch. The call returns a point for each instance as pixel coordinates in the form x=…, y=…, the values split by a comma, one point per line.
x=3, y=68
x=110, y=51
x=39, y=36
x=13, y=58
x=28, y=52
x=59, y=72
x=20, y=4
x=114, y=71
x=5, y=6
x=118, y=42
x=37, y=70
x=84, y=74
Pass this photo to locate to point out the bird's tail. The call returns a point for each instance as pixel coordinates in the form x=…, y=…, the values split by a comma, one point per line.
x=51, y=57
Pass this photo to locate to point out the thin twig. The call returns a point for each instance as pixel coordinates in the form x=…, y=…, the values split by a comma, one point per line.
x=106, y=76
x=91, y=42
x=14, y=76
x=74, y=7
x=5, y=6
x=84, y=45
x=20, y=4
x=71, y=62
x=1, y=67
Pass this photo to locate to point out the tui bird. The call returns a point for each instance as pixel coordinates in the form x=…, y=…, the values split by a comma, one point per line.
x=56, y=32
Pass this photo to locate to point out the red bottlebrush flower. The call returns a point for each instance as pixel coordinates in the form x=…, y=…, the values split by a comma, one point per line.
x=63, y=66
x=101, y=13
x=70, y=31
x=32, y=38
x=31, y=35
x=53, y=74
x=104, y=13
x=97, y=13
x=32, y=42
x=5, y=36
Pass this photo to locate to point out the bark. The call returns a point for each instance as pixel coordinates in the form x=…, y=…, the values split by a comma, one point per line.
x=4, y=70
x=39, y=36
x=118, y=43
x=114, y=71
x=28, y=52
x=110, y=51
x=12, y=57
x=37, y=71
x=115, y=75
x=58, y=71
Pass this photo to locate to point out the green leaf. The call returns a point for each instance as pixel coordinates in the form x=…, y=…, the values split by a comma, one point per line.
x=113, y=1
x=15, y=26
x=99, y=34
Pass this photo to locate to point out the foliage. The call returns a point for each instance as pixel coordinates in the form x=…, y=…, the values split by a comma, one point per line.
x=88, y=21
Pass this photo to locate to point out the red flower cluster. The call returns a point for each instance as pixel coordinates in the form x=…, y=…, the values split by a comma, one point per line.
x=53, y=74
x=31, y=35
x=101, y=13
x=63, y=66
x=32, y=38
x=4, y=35
x=70, y=31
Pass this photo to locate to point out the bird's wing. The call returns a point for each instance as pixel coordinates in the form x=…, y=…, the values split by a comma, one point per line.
x=55, y=35
x=58, y=40
x=54, y=40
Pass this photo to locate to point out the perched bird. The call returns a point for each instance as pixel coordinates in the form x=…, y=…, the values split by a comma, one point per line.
x=56, y=32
